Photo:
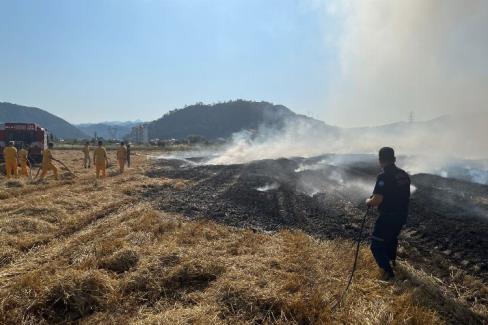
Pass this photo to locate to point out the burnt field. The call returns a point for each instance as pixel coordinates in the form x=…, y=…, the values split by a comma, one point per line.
x=269, y=242
x=324, y=197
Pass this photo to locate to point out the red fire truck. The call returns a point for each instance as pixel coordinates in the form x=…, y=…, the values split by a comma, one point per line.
x=31, y=135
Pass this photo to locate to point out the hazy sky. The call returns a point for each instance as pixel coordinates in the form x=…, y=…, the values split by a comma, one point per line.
x=98, y=60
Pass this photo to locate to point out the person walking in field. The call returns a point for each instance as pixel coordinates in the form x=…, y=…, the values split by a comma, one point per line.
x=10, y=157
x=47, y=162
x=100, y=160
x=24, y=161
x=122, y=156
x=86, y=152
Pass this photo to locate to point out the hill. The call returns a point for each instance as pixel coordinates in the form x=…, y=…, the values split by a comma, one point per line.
x=223, y=119
x=108, y=130
x=60, y=128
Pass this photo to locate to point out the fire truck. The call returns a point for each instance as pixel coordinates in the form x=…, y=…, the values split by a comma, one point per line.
x=30, y=135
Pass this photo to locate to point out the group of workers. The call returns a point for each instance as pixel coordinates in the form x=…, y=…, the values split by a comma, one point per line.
x=15, y=158
x=100, y=159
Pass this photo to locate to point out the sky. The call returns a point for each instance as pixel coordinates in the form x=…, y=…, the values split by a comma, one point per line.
x=347, y=62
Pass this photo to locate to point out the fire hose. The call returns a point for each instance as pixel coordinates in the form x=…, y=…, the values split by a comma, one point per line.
x=354, y=265
x=63, y=165
x=37, y=174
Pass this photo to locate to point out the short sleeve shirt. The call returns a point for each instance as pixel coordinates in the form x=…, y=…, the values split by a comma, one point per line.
x=394, y=185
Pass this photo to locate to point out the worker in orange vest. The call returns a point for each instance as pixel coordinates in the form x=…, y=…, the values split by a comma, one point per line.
x=10, y=156
x=122, y=156
x=100, y=159
x=23, y=157
x=47, y=162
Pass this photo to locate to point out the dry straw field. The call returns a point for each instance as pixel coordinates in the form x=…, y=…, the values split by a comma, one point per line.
x=96, y=252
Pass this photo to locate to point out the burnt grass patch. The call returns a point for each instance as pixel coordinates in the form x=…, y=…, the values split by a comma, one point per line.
x=230, y=194
x=327, y=201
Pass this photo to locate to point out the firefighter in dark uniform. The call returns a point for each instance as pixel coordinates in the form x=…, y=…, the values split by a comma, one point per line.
x=391, y=195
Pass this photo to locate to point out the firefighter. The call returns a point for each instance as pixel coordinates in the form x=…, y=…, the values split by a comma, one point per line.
x=391, y=195
x=24, y=161
x=47, y=162
x=86, y=152
x=10, y=156
x=100, y=159
x=122, y=156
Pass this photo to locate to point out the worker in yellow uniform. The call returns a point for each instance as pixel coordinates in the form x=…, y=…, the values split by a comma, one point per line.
x=100, y=159
x=10, y=157
x=86, y=152
x=23, y=161
x=47, y=162
x=122, y=156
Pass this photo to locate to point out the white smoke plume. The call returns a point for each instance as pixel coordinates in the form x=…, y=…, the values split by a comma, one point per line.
x=425, y=56
x=268, y=187
x=291, y=141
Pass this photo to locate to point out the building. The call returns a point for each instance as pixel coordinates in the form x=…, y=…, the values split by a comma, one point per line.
x=140, y=134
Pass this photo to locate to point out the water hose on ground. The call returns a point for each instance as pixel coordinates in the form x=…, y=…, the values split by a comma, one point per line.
x=354, y=265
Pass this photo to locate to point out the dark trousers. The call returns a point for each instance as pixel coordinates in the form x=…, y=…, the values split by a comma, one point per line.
x=384, y=241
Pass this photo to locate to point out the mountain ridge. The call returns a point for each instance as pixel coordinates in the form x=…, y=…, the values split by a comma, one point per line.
x=221, y=120
x=57, y=126
x=109, y=130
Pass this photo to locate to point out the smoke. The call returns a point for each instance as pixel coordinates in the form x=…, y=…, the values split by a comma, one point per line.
x=329, y=175
x=296, y=138
x=479, y=176
x=395, y=57
x=413, y=189
x=268, y=187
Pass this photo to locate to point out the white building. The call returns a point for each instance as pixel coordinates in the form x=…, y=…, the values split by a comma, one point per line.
x=140, y=134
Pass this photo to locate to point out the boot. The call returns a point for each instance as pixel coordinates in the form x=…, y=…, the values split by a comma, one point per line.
x=386, y=276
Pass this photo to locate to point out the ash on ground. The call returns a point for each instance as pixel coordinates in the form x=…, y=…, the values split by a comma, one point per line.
x=324, y=196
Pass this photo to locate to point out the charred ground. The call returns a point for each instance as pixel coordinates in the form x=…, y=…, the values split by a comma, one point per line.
x=445, y=235
x=326, y=200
